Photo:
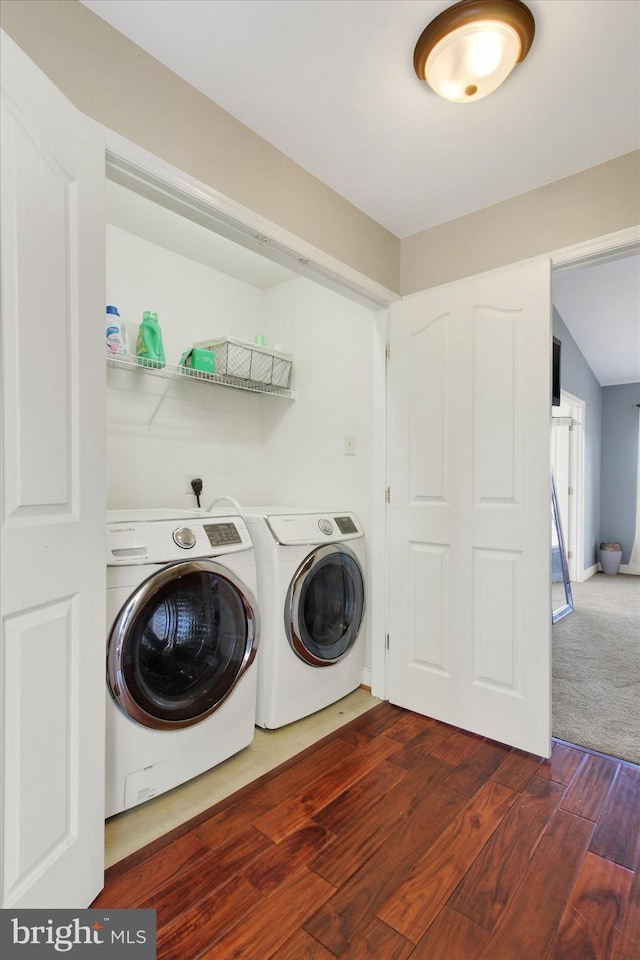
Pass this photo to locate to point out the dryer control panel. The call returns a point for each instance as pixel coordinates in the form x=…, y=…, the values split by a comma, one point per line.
x=314, y=528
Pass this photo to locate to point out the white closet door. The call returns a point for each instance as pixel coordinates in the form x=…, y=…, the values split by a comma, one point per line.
x=469, y=386
x=53, y=488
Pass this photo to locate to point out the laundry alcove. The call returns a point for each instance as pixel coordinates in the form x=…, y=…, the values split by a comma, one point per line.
x=258, y=448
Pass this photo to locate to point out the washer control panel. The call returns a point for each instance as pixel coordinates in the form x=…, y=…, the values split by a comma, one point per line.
x=346, y=525
x=161, y=541
x=222, y=534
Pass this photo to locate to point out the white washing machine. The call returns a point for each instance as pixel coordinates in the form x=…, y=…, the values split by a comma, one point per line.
x=183, y=634
x=311, y=591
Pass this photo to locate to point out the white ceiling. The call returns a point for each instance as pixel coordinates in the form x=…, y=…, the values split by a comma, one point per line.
x=331, y=84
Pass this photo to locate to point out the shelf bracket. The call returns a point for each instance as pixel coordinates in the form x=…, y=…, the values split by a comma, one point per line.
x=161, y=400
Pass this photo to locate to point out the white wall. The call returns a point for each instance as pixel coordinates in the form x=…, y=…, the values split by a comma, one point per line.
x=193, y=302
x=213, y=432
x=619, y=470
x=331, y=339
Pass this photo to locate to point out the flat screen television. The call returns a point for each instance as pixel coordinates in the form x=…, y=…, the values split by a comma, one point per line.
x=555, y=373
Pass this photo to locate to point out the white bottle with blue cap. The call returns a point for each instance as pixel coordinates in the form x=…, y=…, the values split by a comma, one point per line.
x=117, y=341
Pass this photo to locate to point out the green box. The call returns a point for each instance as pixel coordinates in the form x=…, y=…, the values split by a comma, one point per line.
x=195, y=359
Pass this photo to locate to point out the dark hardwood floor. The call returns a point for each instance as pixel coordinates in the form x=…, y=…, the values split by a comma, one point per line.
x=400, y=837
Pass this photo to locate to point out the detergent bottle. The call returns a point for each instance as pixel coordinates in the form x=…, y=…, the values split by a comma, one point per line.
x=117, y=344
x=149, y=348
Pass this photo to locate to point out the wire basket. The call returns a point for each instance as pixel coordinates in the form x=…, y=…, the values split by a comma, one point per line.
x=242, y=360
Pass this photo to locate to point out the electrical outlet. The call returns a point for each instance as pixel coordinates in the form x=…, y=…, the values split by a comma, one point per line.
x=188, y=477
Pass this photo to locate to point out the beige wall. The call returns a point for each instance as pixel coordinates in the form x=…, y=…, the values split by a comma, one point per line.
x=589, y=204
x=112, y=80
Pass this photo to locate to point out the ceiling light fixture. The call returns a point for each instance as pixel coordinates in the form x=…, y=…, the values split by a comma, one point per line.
x=472, y=47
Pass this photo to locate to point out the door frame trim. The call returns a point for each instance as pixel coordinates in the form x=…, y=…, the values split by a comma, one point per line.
x=576, y=480
x=610, y=246
x=134, y=167
x=571, y=413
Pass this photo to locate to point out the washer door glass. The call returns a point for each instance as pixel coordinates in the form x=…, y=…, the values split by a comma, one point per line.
x=180, y=644
x=325, y=606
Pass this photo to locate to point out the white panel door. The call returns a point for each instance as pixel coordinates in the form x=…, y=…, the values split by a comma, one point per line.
x=53, y=488
x=469, y=536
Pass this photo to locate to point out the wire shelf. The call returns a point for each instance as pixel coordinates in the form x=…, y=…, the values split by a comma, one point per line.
x=249, y=361
x=174, y=371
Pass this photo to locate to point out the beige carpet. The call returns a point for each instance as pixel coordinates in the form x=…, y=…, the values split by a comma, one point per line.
x=596, y=667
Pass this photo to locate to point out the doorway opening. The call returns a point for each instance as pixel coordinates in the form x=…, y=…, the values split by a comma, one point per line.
x=595, y=672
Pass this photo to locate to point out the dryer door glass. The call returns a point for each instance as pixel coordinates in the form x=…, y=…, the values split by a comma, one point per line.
x=325, y=606
x=180, y=644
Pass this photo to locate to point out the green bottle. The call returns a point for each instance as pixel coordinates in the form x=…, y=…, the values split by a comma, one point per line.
x=149, y=348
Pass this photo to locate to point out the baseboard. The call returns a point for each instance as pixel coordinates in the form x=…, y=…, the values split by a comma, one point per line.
x=596, y=568
x=366, y=678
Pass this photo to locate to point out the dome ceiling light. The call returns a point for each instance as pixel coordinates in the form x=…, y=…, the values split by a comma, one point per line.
x=472, y=47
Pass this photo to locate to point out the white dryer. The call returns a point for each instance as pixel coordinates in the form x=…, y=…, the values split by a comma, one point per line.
x=311, y=591
x=183, y=634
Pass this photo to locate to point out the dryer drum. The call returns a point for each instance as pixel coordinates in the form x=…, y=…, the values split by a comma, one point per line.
x=180, y=644
x=325, y=605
